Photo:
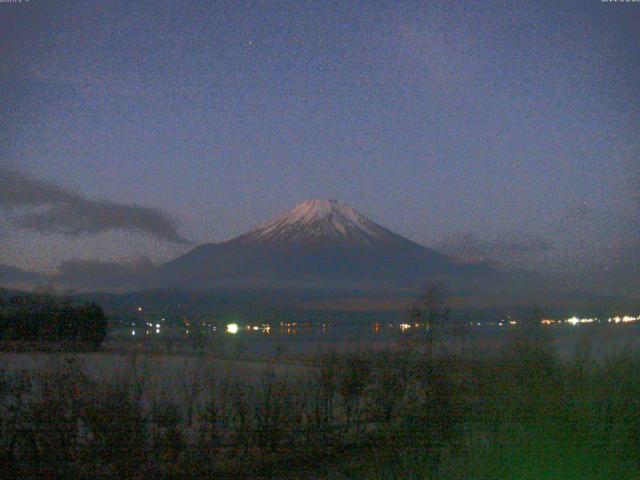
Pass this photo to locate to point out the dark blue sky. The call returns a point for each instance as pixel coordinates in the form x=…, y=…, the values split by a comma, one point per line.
x=504, y=130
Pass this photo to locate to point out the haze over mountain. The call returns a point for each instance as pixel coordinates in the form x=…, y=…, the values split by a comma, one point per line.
x=318, y=244
x=320, y=255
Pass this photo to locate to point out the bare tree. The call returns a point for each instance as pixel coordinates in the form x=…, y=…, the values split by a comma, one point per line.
x=327, y=383
x=167, y=437
x=116, y=424
x=431, y=311
x=14, y=405
x=353, y=379
x=137, y=373
x=275, y=411
x=192, y=384
x=241, y=418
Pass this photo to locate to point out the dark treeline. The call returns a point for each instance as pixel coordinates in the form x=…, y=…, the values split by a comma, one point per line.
x=43, y=318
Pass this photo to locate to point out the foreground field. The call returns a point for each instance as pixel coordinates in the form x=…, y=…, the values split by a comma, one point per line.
x=159, y=371
x=520, y=411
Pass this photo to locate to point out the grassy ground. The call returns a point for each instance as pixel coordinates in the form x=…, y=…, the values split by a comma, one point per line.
x=520, y=412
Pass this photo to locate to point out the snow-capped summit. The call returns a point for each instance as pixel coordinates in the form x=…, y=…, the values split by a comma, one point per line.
x=320, y=220
x=313, y=210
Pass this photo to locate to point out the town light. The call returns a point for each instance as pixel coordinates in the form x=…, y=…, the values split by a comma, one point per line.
x=232, y=328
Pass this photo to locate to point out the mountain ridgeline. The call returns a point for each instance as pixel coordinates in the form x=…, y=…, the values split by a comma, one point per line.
x=320, y=244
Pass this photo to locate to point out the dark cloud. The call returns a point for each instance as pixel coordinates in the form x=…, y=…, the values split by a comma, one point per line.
x=470, y=247
x=83, y=275
x=13, y=275
x=53, y=209
x=94, y=274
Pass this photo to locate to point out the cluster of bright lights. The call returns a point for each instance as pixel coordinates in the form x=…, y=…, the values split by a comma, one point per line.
x=149, y=325
x=625, y=319
x=234, y=328
x=507, y=321
x=575, y=320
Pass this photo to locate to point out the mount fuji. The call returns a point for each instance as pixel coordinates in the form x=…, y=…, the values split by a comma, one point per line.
x=319, y=244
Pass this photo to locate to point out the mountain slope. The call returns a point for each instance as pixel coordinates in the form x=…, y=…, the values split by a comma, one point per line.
x=318, y=244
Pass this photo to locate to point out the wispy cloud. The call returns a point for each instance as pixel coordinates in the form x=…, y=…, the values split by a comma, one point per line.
x=104, y=275
x=10, y=275
x=83, y=275
x=496, y=250
x=53, y=209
